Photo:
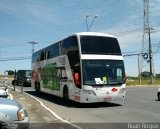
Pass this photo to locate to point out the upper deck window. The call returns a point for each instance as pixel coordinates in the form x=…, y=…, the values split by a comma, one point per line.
x=99, y=45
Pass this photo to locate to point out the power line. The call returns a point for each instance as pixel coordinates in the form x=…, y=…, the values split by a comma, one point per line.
x=115, y=33
x=14, y=45
x=14, y=58
x=131, y=52
x=135, y=30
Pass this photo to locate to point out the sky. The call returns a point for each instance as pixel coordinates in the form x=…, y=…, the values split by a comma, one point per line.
x=47, y=21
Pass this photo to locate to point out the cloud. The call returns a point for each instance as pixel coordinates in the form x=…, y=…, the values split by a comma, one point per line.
x=129, y=37
x=131, y=42
x=154, y=8
x=5, y=40
x=32, y=12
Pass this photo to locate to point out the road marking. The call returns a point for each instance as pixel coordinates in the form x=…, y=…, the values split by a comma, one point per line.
x=52, y=112
x=10, y=96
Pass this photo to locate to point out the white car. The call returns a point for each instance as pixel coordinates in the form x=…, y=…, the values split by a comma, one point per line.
x=12, y=115
x=3, y=84
x=5, y=94
x=158, y=94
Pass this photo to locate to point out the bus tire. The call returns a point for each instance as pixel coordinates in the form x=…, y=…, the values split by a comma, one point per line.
x=65, y=94
x=37, y=87
x=158, y=96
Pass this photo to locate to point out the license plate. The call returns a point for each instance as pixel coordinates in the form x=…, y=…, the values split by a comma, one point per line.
x=107, y=99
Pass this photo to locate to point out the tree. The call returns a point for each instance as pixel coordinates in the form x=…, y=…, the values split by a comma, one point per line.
x=158, y=75
x=10, y=72
x=145, y=74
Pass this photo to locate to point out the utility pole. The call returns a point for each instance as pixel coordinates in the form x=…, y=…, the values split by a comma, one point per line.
x=139, y=73
x=33, y=43
x=146, y=44
x=15, y=78
x=150, y=55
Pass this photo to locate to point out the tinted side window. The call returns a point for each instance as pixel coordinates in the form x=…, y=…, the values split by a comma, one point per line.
x=52, y=51
x=42, y=56
x=70, y=48
x=69, y=44
x=36, y=56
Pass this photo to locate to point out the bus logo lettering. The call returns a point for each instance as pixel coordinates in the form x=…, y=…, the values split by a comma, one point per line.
x=114, y=90
x=62, y=60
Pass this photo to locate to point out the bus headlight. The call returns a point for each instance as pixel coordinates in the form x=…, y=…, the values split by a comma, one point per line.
x=89, y=92
x=122, y=90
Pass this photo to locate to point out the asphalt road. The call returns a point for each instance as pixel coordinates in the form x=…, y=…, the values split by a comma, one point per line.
x=140, y=106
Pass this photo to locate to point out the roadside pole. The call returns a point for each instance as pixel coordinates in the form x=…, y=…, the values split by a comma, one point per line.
x=22, y=86
x=6, y=80
x=14, y=84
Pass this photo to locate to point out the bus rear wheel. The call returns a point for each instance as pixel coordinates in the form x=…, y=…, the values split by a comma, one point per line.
x=65, y=94
x=37, y=87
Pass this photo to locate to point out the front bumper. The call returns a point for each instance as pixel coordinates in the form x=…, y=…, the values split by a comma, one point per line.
x=102, y=95
x=16, y=124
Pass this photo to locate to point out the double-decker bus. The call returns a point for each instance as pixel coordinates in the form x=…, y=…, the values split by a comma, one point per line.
x=85, y=67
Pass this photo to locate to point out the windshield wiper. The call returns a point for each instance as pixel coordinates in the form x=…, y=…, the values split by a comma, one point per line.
x=118, y=83
x=100, y=85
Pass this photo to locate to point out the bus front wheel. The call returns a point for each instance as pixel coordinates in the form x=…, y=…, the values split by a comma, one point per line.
x=65, y=94
x=158, y=96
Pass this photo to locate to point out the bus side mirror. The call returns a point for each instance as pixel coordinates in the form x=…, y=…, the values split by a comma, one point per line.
x=125, y=78
x=77, y=79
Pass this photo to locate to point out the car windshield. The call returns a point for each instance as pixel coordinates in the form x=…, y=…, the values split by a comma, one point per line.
x=103, y=72
x=28, y=74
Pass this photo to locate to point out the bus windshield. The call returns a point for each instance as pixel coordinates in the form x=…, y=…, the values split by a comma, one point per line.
x=99, y=45
x=103, y=72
